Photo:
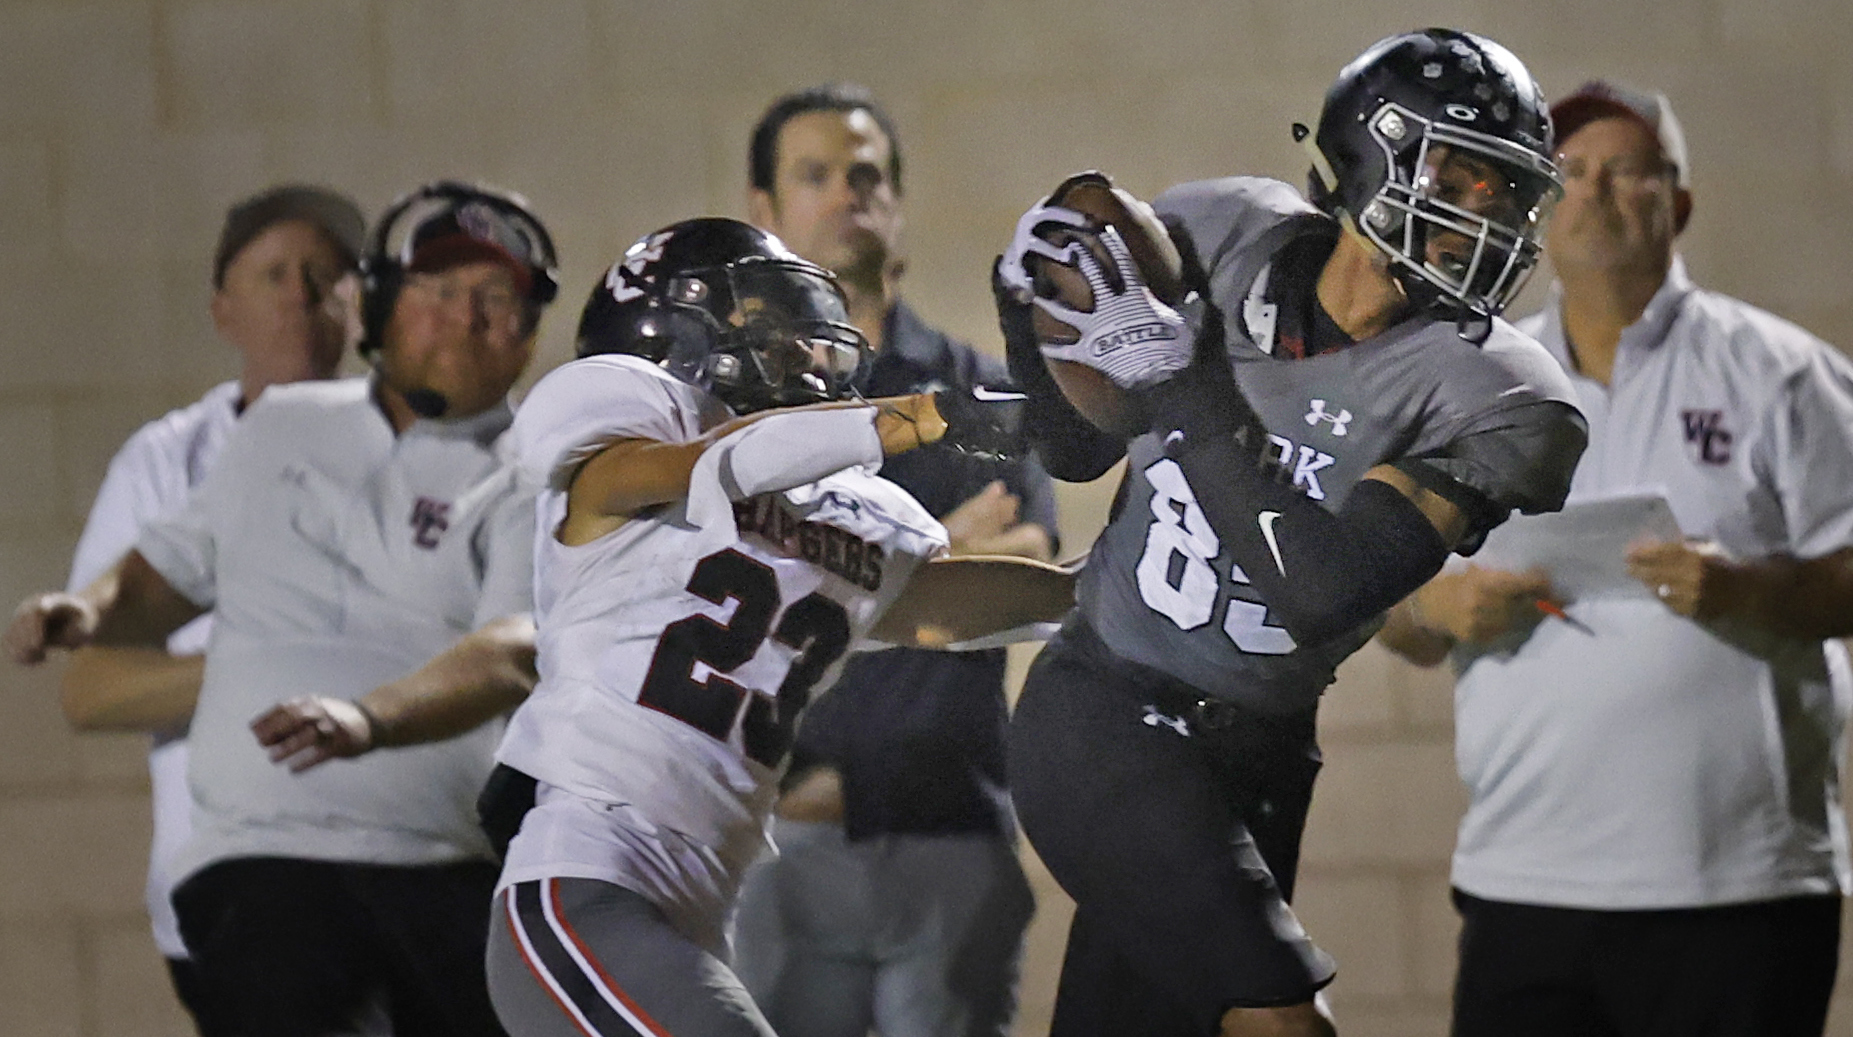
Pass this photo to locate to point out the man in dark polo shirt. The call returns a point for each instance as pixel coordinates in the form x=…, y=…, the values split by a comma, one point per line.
x=897, y=904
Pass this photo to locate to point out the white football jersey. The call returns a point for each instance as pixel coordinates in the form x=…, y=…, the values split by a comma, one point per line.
x=677, y=652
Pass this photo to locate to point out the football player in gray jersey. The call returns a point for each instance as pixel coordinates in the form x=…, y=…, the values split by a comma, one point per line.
x=1334, y=408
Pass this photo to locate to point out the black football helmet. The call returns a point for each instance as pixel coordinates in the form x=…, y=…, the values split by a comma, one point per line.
x=726, y=306
x=1437, y=145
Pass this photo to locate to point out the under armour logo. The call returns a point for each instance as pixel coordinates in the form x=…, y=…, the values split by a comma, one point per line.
x=1705, y=429
x=1339, y=421
x=1153, y=718
x=430, y=518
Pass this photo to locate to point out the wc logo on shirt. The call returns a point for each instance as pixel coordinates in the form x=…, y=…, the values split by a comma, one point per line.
x=430, y=518
x=1705, y=430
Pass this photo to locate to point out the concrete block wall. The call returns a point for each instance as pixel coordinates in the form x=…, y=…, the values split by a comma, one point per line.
x=127, y=126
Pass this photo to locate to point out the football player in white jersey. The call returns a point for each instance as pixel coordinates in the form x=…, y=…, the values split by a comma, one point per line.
x=707, y=549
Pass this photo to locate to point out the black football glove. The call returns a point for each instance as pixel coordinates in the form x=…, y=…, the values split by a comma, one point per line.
x=983, y=421
x=1070, y=447
x=1016, y=319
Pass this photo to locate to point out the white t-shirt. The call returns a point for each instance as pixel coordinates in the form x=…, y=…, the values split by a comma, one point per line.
x=338, y=557
x=149, y=477
x=676, y=651
x=1664, y=763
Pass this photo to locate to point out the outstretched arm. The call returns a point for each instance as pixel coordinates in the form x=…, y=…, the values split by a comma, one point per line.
x=633, y=474
x=485, y=674
x=130, y=689
x=131, y=605
x=771, y=450
x=955, y=599
x=121, y=677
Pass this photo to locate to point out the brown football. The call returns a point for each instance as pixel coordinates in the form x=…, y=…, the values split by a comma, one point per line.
x=1098, y=400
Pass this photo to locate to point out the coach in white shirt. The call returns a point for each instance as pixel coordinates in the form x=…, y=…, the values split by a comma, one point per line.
x=350, y=531
x=279, y=257
x=1655, y=842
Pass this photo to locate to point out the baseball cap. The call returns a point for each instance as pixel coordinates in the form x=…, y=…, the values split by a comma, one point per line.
x=472, y=232
x=335, y=215
x=1601, y=99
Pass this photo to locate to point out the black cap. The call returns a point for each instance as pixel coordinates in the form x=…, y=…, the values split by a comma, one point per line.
x=335, y=215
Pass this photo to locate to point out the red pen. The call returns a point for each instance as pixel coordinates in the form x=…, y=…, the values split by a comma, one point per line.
x=1551, y=608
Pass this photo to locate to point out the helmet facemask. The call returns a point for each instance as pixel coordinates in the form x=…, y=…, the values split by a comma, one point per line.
x=725, y=306
x=1459, y=213
x=783, y=338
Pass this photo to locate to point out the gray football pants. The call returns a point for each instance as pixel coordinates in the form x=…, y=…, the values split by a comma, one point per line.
x=579, y=957
x=905, y=935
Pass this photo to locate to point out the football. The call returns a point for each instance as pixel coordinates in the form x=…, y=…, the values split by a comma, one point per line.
x=1092, y=193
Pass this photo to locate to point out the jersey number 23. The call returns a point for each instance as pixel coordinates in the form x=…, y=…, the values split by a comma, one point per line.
x=687, y=674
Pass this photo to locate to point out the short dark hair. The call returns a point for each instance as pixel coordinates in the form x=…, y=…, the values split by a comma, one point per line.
x=762, y=157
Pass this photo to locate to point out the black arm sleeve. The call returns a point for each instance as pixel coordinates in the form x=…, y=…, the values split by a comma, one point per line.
x=1517, y=458
x=1071, y=448
x=1321, y=574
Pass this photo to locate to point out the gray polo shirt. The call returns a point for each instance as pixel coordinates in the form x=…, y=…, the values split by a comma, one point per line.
x=337, y=557
x=1664, y=763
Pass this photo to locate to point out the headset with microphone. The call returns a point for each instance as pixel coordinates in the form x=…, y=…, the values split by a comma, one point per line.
x=383, y=268
x=498, y=218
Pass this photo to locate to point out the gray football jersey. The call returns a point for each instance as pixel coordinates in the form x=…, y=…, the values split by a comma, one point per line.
x=1158, y=586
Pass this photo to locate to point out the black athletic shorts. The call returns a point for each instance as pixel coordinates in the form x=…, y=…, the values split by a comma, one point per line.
x=285, y=947
x=1175, y=824
x=1762, y=969
x=506, y=798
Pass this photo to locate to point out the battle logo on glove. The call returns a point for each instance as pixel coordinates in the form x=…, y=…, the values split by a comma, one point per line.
x=1093, y=194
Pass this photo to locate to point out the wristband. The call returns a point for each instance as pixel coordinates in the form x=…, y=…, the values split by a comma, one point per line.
x=375, y=729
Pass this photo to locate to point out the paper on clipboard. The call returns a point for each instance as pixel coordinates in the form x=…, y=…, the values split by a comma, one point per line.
x=1585, y=546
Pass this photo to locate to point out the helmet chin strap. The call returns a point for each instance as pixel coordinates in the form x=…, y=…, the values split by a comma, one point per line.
x=1303, y=134
x=1474, y=324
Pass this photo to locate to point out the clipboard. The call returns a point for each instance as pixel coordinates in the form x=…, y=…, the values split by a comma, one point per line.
x=1585, y=546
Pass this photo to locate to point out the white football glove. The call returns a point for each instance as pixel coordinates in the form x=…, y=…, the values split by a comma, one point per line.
x=1131, y=336
x=1026, y=241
